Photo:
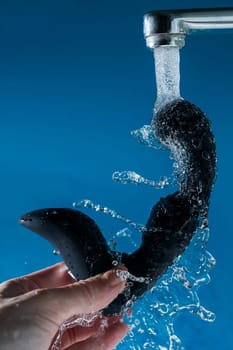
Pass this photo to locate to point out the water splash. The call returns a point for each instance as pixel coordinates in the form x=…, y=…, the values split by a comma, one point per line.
x=126, y=275
x=152, y=321
x=152, y=326
x=81, y=320
x=88, y=320
x=145, y=135
x=126, y=233
x=128, y=176
x=87, y=203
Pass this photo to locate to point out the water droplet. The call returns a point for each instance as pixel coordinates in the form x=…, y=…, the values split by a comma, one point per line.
x=56, y=252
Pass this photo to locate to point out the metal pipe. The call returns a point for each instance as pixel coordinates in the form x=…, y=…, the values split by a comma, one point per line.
x=169, y=27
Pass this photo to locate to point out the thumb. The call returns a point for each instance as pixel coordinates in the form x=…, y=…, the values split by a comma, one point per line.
x=82, y=297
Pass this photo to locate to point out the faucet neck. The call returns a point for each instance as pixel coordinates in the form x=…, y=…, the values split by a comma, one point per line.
x=168, y=28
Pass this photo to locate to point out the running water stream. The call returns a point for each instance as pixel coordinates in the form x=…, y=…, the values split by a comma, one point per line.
x=167, y=72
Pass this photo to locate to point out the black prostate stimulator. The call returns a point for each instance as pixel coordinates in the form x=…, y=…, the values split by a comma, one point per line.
x=185, y=130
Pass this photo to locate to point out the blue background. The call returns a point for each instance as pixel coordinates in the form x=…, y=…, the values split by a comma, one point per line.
x=76, y=78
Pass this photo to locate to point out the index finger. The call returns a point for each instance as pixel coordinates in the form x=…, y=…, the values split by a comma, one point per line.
x=50, y=277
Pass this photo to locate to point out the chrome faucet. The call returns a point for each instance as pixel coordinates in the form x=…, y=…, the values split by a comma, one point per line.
x=169, y=28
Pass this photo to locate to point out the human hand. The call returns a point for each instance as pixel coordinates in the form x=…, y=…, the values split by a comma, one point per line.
x=34, y=306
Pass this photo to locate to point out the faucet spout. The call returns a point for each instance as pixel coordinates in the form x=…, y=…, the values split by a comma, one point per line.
x=169, y=27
